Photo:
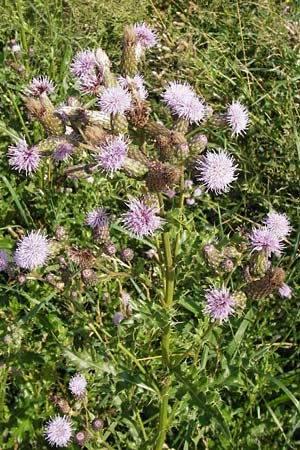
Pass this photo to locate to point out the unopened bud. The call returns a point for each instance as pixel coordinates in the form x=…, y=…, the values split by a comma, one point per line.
x=127, y=254
x=81, y=438
x=97, y=424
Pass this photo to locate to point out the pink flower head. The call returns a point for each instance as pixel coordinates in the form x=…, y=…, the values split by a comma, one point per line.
x=58, y=431
x=22, y=157
x=146, y=35
x=3, y=260
x=115, y=100
x=174, y=93
x=141, y=219
x=285, y=291
x=90, y=83
x=217, y=170
x=32, y=251
x=83, y=63
x=40, y=86
x=63, y=151
x=97, y=218
x=219, y=304
x=279, y=224
x=183, y=101
x=113, y=153
x=237, y=118
x=134, y=84
x=264, y=240
x=77, y=386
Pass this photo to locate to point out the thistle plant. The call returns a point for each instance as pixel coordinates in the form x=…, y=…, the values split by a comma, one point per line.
x=170, y=158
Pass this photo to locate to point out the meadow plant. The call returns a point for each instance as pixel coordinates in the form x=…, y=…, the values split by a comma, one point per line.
x=166, y=165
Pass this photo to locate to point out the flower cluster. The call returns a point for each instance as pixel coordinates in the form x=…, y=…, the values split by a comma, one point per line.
x=268, y=238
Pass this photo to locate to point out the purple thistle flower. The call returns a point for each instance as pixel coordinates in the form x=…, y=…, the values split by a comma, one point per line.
x=63, y=151
x=237, y=118
x=219, y=304
x=58, y=431
x=113, y=153
x=279, y=224
x=174, y=93
x=77, y=386
x=22, y=157
x=97, y=218
x=146, y=35
x=285, y=291
x=141, y=219
x=118, y=317
x=183, y=101
x=83, y=63
x=134, y=84
x=40, y=86
x=115, y=100
x=217, y=171
x=191, y=109
x=90, y=83
x=264, y=240
x=32, y=251
x=3, y=260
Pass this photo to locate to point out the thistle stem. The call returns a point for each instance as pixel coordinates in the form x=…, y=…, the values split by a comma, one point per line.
x=168, y=272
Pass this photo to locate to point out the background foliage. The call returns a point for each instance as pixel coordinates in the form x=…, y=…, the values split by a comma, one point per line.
x=241, y=390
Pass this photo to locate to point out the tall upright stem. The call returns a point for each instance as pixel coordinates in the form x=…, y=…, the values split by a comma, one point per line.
x=168, y=275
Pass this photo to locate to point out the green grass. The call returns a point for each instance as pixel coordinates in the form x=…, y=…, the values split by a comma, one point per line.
x=237, y=386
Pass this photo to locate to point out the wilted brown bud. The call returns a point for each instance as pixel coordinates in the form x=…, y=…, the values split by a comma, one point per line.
x=264, y=287
x=161, y=177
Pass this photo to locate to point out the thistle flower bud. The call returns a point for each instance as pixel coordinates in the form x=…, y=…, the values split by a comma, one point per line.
x=81, y=438
x=156, y=128
x=134, y=168
x=212, y=256
x=61, y=403
x=94, y=134
x=181, y=125
x=101, y=234
x=197, y=144
x=138, y=116
x=50, y=278
x=231, y=252
x=259, y=264
x=160, y=177
x=110, y=249
x=21, y=279
x=61, y=233
x=227, y=265
x=127, y=254
x=97, y=424
x=240, y=299
x=129, y=61
x=89, y=277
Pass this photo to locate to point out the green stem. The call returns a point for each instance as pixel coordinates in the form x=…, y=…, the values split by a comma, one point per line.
x=181, y=204
x=168, y=273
